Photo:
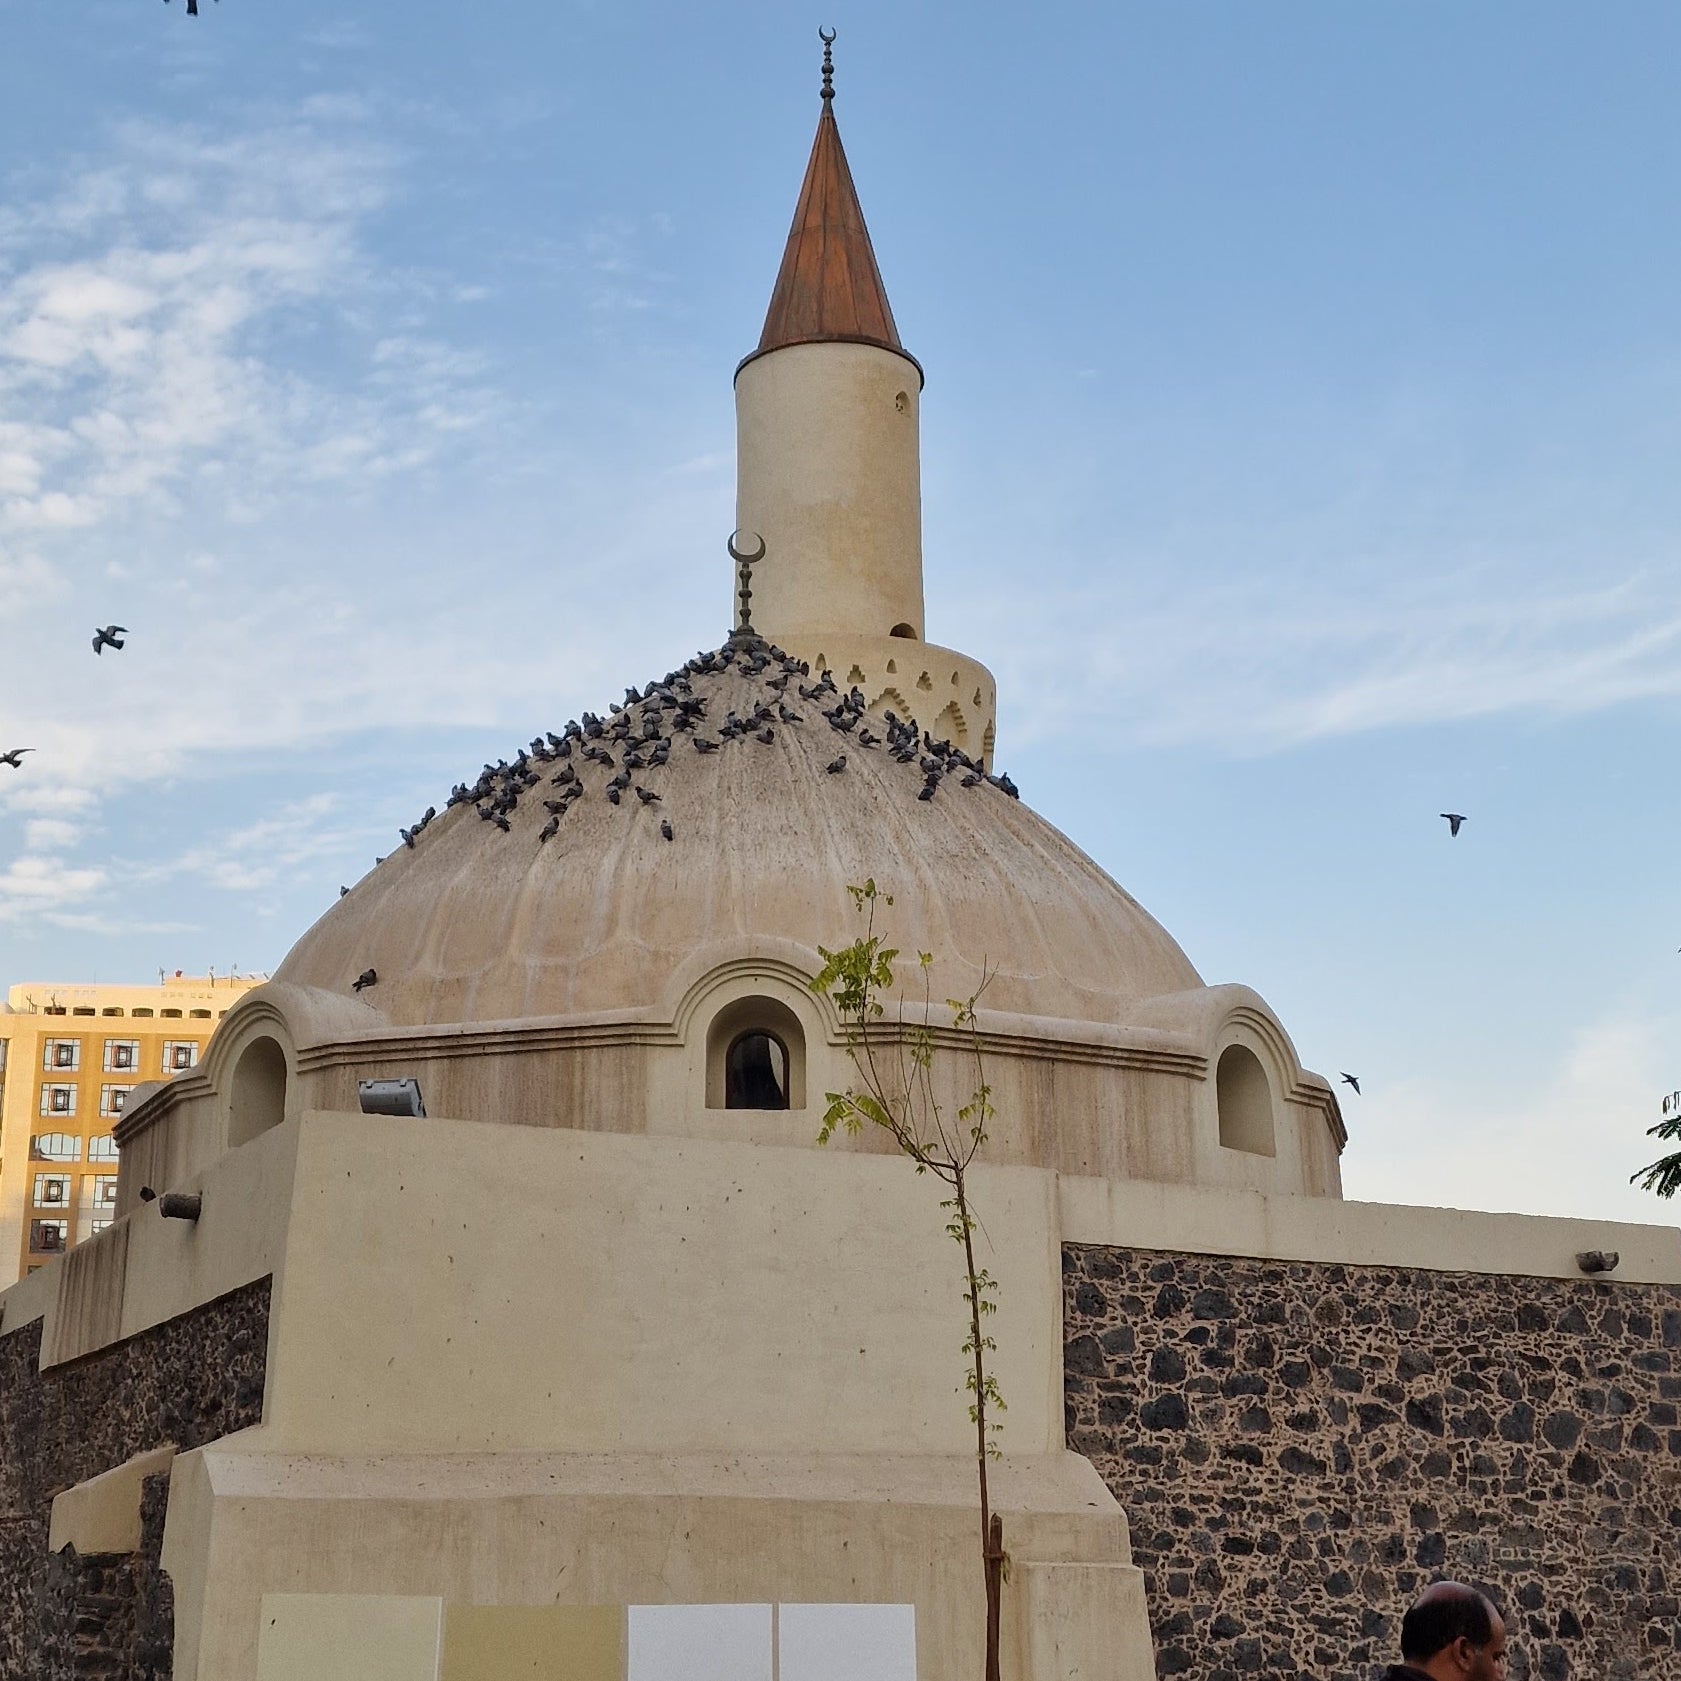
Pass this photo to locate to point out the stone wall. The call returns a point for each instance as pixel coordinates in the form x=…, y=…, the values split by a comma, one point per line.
x=184, y=1382
x=1300, y=1447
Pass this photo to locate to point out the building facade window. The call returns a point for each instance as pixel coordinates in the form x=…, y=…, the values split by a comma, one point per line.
x=48, y=1237
x=58, y=1100
x=55, y=1147
x=62, y=1054
x=113, y=1099
x=52, y=1190
x=104, y=1194
x=121, y=1055
x=179, y=1055
x=102, y=1149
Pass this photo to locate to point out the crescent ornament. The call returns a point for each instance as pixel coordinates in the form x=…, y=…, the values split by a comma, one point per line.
x=745, y=559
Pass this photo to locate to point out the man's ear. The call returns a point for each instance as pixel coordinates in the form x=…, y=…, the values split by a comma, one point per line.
x=1464, y=1654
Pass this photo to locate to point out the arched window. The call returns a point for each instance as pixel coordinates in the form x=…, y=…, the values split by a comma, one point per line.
x=1245, y=1102
x=756, y=1072
x=755, y=1056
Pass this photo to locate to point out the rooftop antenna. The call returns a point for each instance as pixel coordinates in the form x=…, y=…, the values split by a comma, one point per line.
x=827, y=37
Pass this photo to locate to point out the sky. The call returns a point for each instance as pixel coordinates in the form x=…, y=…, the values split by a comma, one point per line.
x=1299, y=444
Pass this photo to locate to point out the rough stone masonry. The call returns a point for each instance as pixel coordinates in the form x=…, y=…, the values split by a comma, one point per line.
x=1300, y=1447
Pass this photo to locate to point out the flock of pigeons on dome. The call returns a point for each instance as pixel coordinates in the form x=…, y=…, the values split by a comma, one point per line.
x=641, y=732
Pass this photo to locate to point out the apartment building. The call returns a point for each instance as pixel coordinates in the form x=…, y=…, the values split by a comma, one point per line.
x=69, y=1057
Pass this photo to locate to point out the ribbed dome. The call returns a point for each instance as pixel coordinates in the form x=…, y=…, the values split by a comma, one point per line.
x=475, y=922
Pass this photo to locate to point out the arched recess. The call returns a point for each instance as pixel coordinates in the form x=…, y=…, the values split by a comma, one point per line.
x=1243, y=1095
x=736, y=1025
x=906, y=631
x=890, y=700
x=257, y=1092
x=951, y=725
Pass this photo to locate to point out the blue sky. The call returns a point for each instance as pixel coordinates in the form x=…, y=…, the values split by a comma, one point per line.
x=1304, y=399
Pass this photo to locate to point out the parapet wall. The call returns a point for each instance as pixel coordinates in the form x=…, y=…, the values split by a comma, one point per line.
x=1300, y=1446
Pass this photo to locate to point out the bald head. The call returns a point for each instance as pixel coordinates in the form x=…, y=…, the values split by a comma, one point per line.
x=1445, y=1614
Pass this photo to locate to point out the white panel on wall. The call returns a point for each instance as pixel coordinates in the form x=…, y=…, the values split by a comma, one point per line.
x=700, y=1643
x=847, y=1642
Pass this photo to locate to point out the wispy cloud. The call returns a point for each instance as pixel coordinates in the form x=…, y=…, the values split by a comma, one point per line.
x=1563, y=1142
x=1265, y=666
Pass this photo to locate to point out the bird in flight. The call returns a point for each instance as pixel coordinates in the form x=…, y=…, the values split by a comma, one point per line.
x=110, y=637
x=1352, y=1080
x=15, y=757
x=1455, y=818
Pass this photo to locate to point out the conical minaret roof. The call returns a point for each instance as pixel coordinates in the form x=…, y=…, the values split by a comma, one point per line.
x=829, y=287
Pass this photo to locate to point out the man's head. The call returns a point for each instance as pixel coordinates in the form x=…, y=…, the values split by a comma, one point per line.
x=1453, y=1633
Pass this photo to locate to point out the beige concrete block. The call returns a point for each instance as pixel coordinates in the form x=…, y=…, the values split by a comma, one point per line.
x=533, y=1643
x=1080, y=1622
x=348, y=1637
x=102, y=1515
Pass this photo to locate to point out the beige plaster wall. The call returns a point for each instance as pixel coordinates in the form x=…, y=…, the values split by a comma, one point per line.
x=448, y=1287
x=1214, y=1222
x=548, y=1530
x=828, y=472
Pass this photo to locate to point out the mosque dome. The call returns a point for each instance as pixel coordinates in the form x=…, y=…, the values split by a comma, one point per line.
x=538, y=896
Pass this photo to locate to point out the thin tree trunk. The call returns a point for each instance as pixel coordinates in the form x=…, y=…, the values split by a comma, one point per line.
x=992, y=1528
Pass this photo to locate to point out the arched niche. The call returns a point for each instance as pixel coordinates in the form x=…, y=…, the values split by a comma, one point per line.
x=1244, y=1098
x=745, y=1041
x=257, y=1092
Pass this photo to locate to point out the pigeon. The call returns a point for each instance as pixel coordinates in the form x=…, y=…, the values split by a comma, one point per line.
x=547, y=832
x=408, y=837
x=110, y=637
x=15, y=757
x=702, y=745
x=365, y=979
x=501, y=822
x=665, y=828
x=836, y=766
x=1455, y=818
x=767, y=735
x=343, y=891
x=786, y=713
x=613, y=795
x=927, y=791
x=646, y=795
x=1352, y=1080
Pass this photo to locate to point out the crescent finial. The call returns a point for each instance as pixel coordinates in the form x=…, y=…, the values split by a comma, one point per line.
x=827, y=37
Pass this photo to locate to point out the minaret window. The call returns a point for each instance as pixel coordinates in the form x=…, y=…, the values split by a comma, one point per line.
x=756, y=1072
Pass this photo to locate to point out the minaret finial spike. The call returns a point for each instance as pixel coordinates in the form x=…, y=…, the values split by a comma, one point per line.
x=827, y=37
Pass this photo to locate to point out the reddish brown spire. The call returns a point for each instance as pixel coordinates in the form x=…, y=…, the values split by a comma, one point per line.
x=829, y=286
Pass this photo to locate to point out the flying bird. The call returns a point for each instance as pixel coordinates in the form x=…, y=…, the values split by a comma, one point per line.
x=110, y=637
x=1455, y=818
x=366, y=979
x=15, y=757
x=1352, y=1080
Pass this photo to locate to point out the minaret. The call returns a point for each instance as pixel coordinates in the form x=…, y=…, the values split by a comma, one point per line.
x=828, y=467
